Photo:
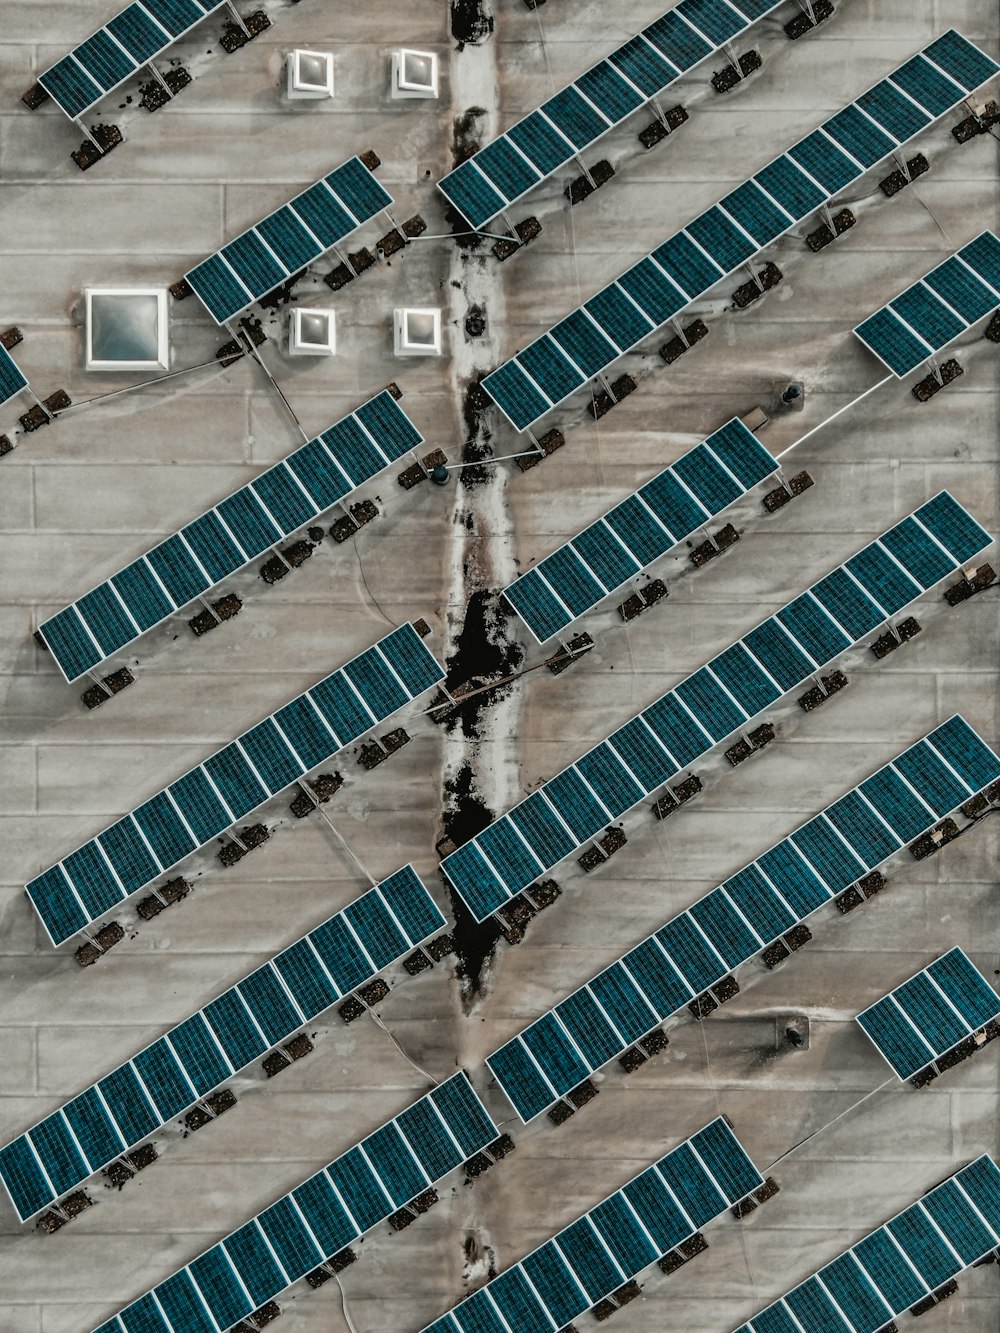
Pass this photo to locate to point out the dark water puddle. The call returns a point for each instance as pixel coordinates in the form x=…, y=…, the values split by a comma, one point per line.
x=470, y=23
x=482, y=653
x=465, y=815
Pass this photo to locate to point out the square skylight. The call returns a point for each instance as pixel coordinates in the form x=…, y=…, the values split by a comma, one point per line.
x=312, y=332
x=310, y=75
x=417, y=332
x=414, y=73
x=126, y=328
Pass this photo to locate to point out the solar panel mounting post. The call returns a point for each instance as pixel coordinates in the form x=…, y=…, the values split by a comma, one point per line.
x=236, y=15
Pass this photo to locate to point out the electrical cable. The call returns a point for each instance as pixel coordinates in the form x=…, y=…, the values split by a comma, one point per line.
x=398, y=1045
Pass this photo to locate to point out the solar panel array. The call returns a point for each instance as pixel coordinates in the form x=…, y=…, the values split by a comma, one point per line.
x=656, y=517
x=937, y=309
x=713, y=703
x=930, y=1014
x=731, y=233
x=737, y=920
x=118, y=50
x=581, y=113
x=277, y=503
x=188, y=813
x=268, y=254
x=596, y=1254
x=12, y=381
x=895, y=1267
x=238, y=1027
x=323, y=1216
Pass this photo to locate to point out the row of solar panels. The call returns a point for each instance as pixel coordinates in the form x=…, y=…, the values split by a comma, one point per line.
x=323, y=1216
x=247, y=1020
x=737, y=920
x=713, y=703
x=894, y=1268
x=937, y=309
x=268, y=254
x=581, y=113
x=12, y=381
x=655, y=518
x=931, y=1013
x=207, y=800
x=717, y=242
x=610, y=1244
x=281, y=500
x=115, y=52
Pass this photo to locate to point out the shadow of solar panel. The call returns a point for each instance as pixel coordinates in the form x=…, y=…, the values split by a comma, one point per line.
x=691, y=269
x=961, y=61
x=650, y=289
x=550, y=369
x=575, y=117
x=146, y=601
x=883, y=578
x=759, y=903
x=268, y=1002
x=106, y=618
x=324, y=214
x=792, y=877
x=790, y=187
x=675, y=38
x=822, y=159
x=509, y=170
x=926, y=84
x=540, y=142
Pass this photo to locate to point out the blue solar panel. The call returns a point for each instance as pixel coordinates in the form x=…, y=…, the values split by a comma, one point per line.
x=610, y=1244
x=11, y=379
x=719, y=240
x=273, y=506
x=263, y=257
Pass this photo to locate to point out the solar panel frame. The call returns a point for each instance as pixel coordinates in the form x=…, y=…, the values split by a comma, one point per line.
x=581, y=1264
x=253, y=1015
x=725, y=928
x=329, y=210
x=12, y=378
x=787, y=183
x=254, y=524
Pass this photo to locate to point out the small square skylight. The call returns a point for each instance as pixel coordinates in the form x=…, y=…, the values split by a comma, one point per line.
x=417, y=332
x=414, y=73
x=310, y=75
x=126, y=328
x=312, y=332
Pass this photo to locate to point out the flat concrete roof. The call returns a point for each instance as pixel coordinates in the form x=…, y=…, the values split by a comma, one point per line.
x=85, y=495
